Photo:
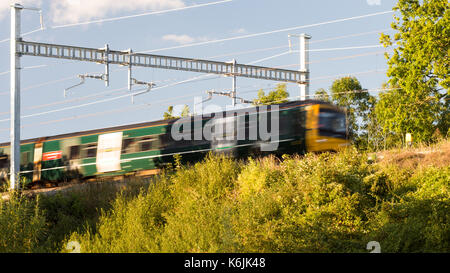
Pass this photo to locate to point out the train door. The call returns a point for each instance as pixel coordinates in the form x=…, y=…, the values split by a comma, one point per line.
x=71, y=149
x=37, y=161
x=109, y=148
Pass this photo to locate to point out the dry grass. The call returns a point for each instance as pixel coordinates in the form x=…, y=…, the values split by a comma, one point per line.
x=437, y=155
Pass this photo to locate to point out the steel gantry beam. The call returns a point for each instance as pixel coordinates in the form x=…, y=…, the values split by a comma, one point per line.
x=106, y=56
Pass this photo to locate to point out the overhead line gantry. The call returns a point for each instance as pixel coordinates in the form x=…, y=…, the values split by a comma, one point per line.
x=128, y=58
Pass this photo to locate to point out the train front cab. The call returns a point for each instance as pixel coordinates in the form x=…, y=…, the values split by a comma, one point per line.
x=326, y=128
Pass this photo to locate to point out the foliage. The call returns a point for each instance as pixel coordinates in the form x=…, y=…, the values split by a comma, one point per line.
x=318, y=203
x=347, y=92
x=419, y=222
x=359, y=105
x=393, y=112
x=278, y=95
x=170, y=114
x=419, y=67
x=313, y=203
x=321, y=94
x=22, y=225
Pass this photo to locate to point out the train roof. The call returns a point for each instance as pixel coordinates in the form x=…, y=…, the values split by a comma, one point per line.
x=158, y=122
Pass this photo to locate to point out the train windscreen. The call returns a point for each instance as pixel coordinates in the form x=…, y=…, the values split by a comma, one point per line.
x=332, y=123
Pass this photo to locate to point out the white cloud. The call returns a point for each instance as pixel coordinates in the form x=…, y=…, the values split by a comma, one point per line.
x=5, y=6
x=183, y=39
x=74, y=11
x=240, y=31
x=373, y=2
x=180, y=39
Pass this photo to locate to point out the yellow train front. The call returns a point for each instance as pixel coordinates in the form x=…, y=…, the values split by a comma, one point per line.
x=327, y=128
x=294, y=127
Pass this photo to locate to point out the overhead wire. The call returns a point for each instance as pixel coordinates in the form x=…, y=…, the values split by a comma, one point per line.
x=140, y=15
x=246, y=52
x=23, y=34
x=171, y=102
x=120, y=18
x=214, y=41
x=109, y=99
x=348, y=36
x=321, y=78
x=142, y=105
x=344, y=92
x=295, y=44
x=266, y=32
x=165, y=86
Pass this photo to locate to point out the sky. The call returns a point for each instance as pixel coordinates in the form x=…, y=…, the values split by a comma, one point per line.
x=182, y=28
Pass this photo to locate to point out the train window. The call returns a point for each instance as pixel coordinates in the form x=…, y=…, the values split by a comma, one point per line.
x=24, y=158
x=167, y=141
x=332, y=123
x=3, y=161
x=127, y=145
x=74, y=152
x=148, y=143
x=90, y=150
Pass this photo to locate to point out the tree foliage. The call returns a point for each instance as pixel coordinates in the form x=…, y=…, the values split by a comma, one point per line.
x=347, y=92
x=419, y=69
x=321, y=94
x=170, y=114
x=278, y=95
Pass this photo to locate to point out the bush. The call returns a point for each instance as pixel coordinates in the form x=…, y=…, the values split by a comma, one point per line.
x=314, y=203
x=420, y=221
x=22, y=225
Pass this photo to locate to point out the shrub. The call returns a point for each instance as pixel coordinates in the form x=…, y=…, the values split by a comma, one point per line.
x=420, y=221
x=22, y=225
x=314, y=203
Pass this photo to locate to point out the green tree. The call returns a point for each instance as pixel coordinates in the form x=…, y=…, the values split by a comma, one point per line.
x=399, y=113
x=419, y=66
x=170, y=115
x=348, y=93
x=321, y=94
x=278, y=95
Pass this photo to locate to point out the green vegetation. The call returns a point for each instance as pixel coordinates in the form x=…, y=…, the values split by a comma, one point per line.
x=416, y=98
x=315, y=203
x=278, y=95
x=418, y=71
x=170, y=114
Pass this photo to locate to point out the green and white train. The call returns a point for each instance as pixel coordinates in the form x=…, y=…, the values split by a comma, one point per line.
x=146, y=148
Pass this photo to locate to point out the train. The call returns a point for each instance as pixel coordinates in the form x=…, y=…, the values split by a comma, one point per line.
x=142, y=149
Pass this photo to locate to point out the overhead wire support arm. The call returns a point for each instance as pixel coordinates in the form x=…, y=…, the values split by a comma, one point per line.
x=226, y=94
x=83, y=77
x=149, y=85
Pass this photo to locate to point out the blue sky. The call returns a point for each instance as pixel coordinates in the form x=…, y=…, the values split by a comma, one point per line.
x=43, y=83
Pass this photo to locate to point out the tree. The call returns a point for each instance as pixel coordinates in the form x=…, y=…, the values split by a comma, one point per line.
x=321, y=94
x=399, y=113
x=419, y=67
x=170, y=115
x=278, y=95
x=348, y=93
